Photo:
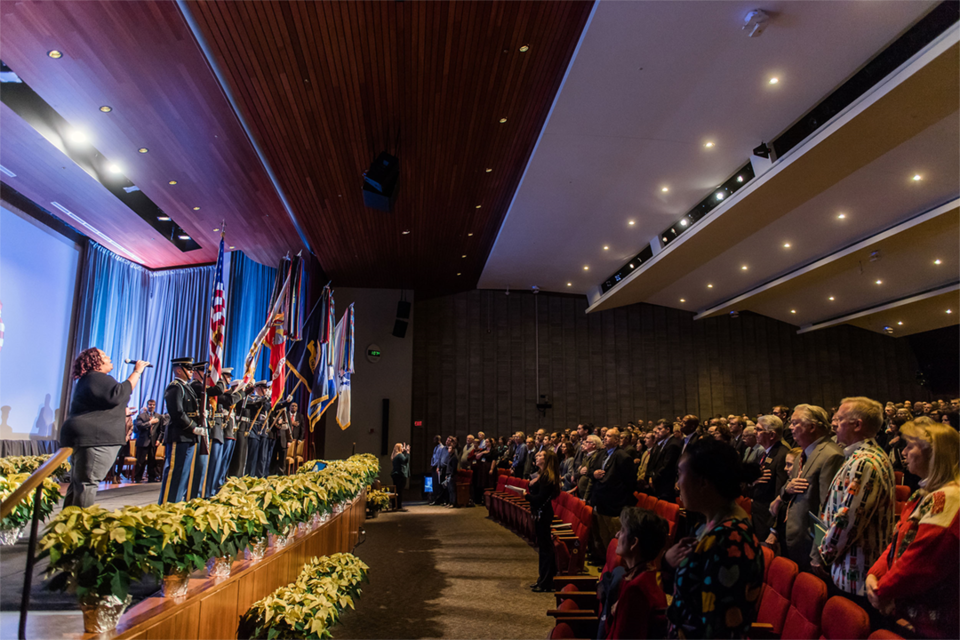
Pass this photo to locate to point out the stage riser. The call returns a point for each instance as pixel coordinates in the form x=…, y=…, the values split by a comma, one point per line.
x=212, y=610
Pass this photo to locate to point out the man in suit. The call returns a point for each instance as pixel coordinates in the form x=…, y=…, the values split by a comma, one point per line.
x=810, y=480
x=736, y=424
x=752, y=451
x=148, y=436
x=773, y=473
x=612, y=490
x=690, y=430
x=664, y=464
x=520, y=455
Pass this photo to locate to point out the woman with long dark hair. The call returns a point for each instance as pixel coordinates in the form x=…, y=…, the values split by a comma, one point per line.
x=95, y=426
x=716, y=575
x=542, y=490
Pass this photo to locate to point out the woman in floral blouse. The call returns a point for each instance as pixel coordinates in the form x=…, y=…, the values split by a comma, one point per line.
x=717, y=575
x=916, y=577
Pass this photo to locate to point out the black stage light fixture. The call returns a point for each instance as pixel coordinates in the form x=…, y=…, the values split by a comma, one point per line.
x=380, y=182
x=762, y=150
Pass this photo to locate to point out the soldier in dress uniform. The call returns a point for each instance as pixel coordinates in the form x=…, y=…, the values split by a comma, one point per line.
x=220, y=421
x=278, y=435
x=202, y=457
x=181, y=433
x=259, y=405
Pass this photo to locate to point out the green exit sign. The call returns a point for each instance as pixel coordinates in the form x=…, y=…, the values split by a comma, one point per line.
x=373, y=352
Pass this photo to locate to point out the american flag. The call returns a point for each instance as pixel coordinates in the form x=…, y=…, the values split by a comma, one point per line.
x=218, y=320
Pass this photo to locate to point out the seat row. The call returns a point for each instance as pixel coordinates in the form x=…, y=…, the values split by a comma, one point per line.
x=572, y=521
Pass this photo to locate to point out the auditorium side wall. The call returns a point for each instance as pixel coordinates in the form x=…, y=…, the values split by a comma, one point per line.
x=475, y=357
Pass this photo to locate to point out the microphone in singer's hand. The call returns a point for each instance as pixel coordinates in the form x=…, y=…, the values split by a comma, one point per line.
x=129, y=361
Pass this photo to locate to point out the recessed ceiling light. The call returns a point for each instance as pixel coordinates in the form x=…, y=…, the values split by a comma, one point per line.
x=937, y=261
x=665, y=189
x=172, y=182
x=78, y=136
x=631, y=265
x=709, y=286
x=682, y=300
x=666, y=239
x=786, y=245
x=606, y=248
x=502, y=120
x=114, y=168
x=708, y=145
x=196, y=208
x=217, y=229
x=719, y=195
x=739, y=178
x=56, y=55
x=478, y=206
x=464, y=256
x=569, y=284
x=143, y=150
x=774, y=80
x=489, y=170
x=524, y=48
x=879, y=281
x=586, y=268
x=917, y=177
x=949, y=311
x=106, y=108
x=458, y=274
x=630, y=222
x=406, y=232
x=683, y=222
x=743, y=268
x=163, y=218
x=900, y=323
x=469, y=235
x=841, y=216
x=184, y=236
x=793, y=310
x=232, y=247
x=831, y=298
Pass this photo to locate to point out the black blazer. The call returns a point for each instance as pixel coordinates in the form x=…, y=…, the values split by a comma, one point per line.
x=97, y=412
x=540, y=495
x=148, y=434
x=611, y=493
x=776, y=461
x=296, y=426
x=664, y=475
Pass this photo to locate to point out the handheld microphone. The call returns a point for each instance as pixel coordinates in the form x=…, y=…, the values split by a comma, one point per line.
x=129, y=361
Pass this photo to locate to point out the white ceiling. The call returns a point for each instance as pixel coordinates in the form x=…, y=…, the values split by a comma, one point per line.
x=650, y=84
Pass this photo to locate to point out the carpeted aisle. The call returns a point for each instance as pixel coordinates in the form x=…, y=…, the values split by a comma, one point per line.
x=446, y=573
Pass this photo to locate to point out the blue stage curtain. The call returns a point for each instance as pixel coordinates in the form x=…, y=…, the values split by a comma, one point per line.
x=131, y=312
x=248, y=301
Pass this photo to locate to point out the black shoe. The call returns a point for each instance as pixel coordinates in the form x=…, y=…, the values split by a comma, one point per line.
x=539, y=589
x=535, y=585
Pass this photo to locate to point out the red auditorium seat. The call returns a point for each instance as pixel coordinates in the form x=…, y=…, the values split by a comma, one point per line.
x=775, y=599
x=671, y=513
x=807, y=599
x=902, y=492
x=898, y=477
x=843, y=620
x=884, y=634
x=651, y=503
x=768, y=556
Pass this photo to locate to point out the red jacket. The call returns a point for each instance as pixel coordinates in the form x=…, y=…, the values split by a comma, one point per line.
x=918, y=571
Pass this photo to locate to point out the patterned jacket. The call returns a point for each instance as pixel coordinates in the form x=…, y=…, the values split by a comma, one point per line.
x=859, y=515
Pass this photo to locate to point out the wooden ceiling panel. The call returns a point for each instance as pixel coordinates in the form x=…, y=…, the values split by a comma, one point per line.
x=326, y=86
x=141, y=59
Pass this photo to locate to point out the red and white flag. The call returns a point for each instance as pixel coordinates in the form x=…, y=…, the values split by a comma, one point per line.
x=218, y=320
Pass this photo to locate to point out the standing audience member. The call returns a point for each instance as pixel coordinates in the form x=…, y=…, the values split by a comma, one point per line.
x=543, y=488
x=630, y=595
x=716, y=576
x=916, y=577
x=435, y=459
x=663, y=467
x=401, y=469
x=773, y=473
x=752, y=451
x=95, y=426
x=858, y=512
x=612, y=490
x=148, y=437
x=593, y=457
x=810, y=480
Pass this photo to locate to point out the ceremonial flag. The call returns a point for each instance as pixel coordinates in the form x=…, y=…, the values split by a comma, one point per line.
x=303, y=358
x=324, y=389
x=277, y=342
x=251, y=361
x=218, y=320
x=344, y=340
